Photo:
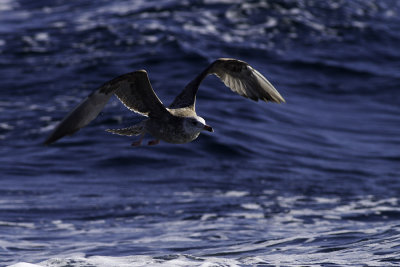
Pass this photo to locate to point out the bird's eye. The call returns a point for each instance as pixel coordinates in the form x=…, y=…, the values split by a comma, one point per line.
x=194, y=123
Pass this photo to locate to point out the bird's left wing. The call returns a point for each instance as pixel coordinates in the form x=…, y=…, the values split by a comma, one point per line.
x=239, y=76
x=133, y=90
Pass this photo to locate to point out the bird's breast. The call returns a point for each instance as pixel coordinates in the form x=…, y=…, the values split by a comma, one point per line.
x=171, y=132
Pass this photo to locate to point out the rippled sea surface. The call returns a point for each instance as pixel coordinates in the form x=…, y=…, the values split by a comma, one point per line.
x=313, y=182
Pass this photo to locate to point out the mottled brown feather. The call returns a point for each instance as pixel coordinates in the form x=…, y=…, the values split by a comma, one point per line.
x=239, y=76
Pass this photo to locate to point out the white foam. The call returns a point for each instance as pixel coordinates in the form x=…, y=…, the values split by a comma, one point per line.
x=24, y=264
x=45, y=118
x=324, y=200
x=134, y=261
x=248, y=215
x=208, y=216
x=59, y=24
x=42, y=37
x=6, y=126
x=18, y=224
x=206, y=29
x=64, y=226
x=236, y=194
x=6, y=5
x=271, y=23
x=251, y=206
x=44, y=129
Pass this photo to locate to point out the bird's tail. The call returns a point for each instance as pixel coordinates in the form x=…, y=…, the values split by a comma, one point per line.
x=136, y=129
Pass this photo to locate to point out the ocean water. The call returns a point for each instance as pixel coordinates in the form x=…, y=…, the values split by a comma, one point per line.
x=313, y=182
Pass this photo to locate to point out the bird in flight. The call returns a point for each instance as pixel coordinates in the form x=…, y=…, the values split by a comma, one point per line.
x=175, y=124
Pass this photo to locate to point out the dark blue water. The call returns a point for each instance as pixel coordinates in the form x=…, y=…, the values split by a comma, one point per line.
x=313, y=182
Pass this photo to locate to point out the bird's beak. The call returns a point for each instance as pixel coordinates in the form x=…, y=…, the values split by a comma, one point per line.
x=208, y=128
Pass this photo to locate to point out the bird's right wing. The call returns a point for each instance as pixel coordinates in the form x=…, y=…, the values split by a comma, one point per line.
x=133, y=90
x=239, y=76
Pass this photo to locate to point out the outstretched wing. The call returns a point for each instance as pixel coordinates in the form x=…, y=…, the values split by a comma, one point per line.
x=133, y=90
x=239, y=76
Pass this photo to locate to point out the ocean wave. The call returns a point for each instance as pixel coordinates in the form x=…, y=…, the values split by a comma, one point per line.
x=257, y=24
x=310, y=182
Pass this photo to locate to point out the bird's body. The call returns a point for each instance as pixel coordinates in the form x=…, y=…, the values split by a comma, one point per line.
x=176, y=124
x=171, y=129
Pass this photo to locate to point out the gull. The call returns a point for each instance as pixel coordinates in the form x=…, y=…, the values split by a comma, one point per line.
x=176, y=124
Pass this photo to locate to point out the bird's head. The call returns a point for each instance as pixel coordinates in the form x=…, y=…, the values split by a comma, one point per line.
x=195, y=125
